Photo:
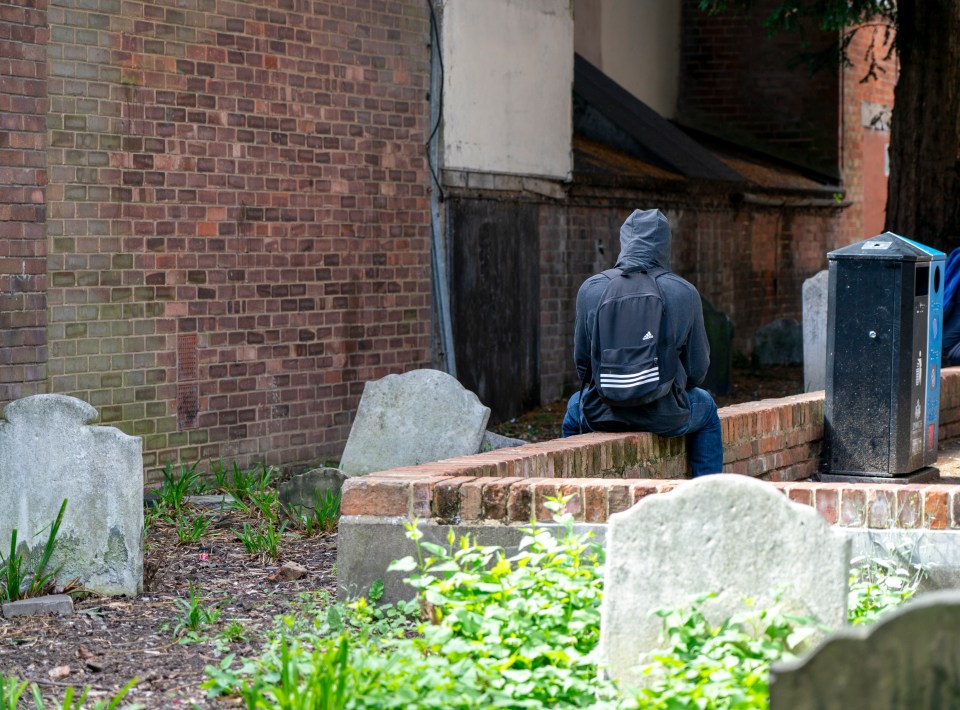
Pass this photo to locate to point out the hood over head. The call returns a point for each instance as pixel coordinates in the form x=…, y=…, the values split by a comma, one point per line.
x=645, y=241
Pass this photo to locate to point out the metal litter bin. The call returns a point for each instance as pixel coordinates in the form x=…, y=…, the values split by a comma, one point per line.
x=882, y=408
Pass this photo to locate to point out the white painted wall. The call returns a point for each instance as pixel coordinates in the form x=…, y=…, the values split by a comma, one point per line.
x=636, y=43
x=508, y=81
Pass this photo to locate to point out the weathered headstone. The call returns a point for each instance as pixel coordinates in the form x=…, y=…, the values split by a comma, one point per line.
x=728, y=535
x=908, y=659
x=493, y=441
x=719, y=329
x=779, y=342
x=301, y=492
x=815, y=331
x=417, y=417
x=48, y=453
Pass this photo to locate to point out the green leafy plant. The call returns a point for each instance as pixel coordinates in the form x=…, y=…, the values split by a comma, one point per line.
x=322, y=517
x=175, y=488
x=240, y=483
x=190, y=529
x=72, y=701
x=490, y=629
x=10, y=691
x=267, y=503
x=879, y=584
x=233, y=632
x=493, y=631
x=724, y=666
x=194, y=615
x=14, y=573
x=320, y=683
x=263, y=540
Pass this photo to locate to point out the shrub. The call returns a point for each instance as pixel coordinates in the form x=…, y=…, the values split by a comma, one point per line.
x=495, y=631
x=492, y=630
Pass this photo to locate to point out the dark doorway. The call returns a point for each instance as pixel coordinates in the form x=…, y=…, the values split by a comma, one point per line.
x=495, y=302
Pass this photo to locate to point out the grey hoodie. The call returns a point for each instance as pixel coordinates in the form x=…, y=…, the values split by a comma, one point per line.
x=645, y=243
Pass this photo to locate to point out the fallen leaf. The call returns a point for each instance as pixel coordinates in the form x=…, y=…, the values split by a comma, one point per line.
x=59, y=672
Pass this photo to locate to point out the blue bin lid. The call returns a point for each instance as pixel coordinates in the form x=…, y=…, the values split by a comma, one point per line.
x=888, y=246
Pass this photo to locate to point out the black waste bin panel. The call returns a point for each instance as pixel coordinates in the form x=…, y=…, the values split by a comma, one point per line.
x=882, y=406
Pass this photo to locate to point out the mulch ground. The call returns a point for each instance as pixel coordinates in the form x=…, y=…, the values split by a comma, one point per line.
x=107, y=642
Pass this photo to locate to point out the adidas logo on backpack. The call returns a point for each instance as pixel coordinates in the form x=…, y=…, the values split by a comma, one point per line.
x=630, y=369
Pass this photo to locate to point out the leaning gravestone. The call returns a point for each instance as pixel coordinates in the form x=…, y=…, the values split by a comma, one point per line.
x=908, y=659
x=727, y=535
x=50, y=452
x=815, y=331
x=779, y=342
x=417, y=417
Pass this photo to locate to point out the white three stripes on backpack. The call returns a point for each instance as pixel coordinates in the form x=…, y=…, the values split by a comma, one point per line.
x=609, y=380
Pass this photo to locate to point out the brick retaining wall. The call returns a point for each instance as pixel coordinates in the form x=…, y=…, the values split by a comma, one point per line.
x=777, y=440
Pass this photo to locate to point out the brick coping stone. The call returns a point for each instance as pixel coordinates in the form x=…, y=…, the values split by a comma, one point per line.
x=777, y=440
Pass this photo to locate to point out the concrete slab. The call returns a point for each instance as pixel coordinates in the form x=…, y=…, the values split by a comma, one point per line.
x=60, y=604
x=927, y=474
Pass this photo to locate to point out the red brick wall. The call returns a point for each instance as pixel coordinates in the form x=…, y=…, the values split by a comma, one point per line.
x=741, y=85
x=750, y=264
x=864, y=145
x=238, y=217
x=777, y=440
x=23, y=179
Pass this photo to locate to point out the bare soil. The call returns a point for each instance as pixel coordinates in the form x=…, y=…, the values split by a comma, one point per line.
x=107, y=642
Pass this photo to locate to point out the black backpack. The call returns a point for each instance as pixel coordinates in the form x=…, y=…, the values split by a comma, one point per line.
x=633, y=353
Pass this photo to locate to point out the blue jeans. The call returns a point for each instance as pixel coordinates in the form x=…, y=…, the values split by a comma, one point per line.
x=704, y=437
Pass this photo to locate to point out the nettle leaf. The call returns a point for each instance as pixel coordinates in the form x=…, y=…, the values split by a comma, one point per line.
x=434, y=548
x=406, y=564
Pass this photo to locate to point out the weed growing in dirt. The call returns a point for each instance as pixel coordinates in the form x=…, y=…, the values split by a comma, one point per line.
x=194, y=616
x=239, y=483
x=233, y=632
x=174, y=488
x=263, y=540
x=322, y=517
x=14, y=573
x=190, y=530
x=267, y=503
x=495, y=631
x=489, y=630
x=12, y=689
x=880, y=584
x=724, y=666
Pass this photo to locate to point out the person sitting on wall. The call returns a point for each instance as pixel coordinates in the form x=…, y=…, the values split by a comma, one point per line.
x=683, y=409
x=951, y=309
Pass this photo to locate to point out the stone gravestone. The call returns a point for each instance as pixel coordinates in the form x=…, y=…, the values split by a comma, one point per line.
x=908, y=659
x=49, y=451
x=300, y=493
x=719, y=329
x=492, y=441
x=728, y=535
x=417, y=417
x=815, y=331
x=779, y=342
